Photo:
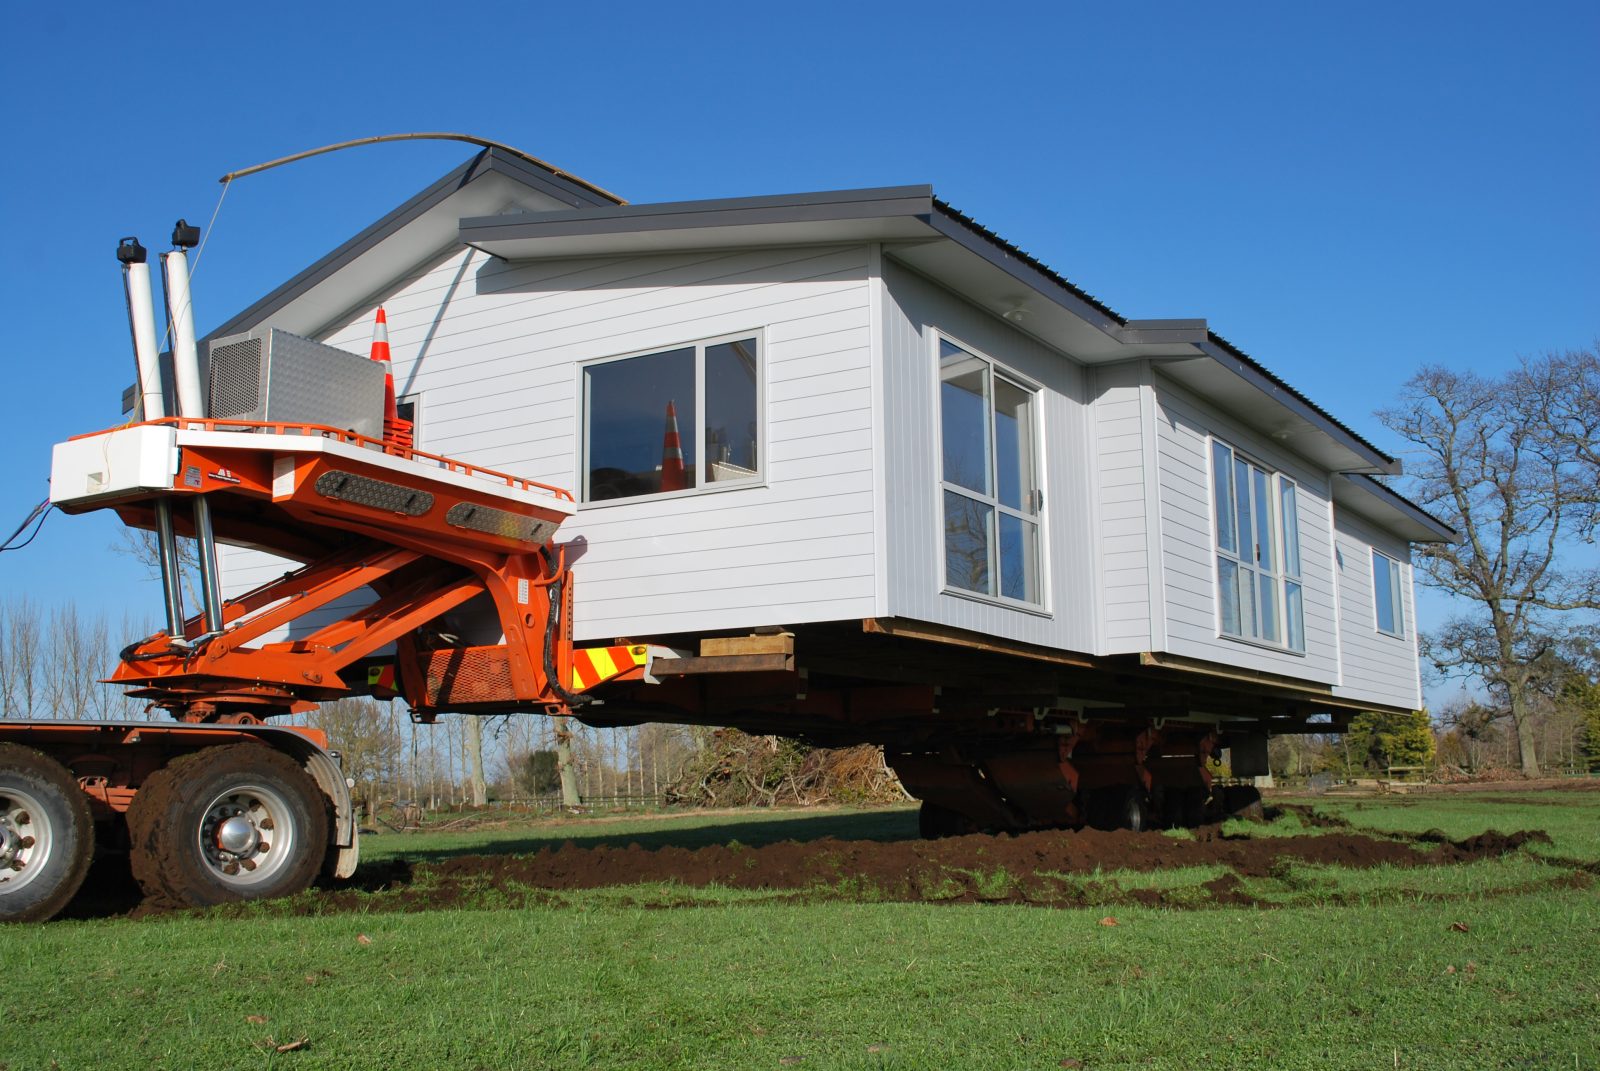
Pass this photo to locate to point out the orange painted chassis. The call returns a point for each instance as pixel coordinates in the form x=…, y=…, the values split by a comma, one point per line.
x=263, y=486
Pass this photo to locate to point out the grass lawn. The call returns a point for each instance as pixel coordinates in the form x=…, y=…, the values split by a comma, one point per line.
x=1350, y=969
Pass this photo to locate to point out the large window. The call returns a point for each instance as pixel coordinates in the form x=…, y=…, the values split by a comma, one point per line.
x=990, y=478
x=1388, y=595
x=672, y=421
x=1260, y=593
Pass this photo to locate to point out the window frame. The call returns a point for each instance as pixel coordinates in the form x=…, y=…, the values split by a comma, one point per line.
x=414, y=400
x=1039, y=519
x=696, y=434
x=1277, y=482
x=1397, y=597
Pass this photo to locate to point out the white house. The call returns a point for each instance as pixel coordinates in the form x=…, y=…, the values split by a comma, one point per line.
x=886, y=414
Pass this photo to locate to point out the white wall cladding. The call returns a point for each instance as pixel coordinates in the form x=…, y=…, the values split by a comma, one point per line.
x=1374, y=666
x=1188, y=543
x=913, y=309
x=492, y=347
x=1123, y=528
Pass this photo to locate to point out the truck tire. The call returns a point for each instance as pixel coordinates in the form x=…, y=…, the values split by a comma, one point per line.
x=46, y=835
x=1120, y=807
x=1243, y=801
x=234, y=822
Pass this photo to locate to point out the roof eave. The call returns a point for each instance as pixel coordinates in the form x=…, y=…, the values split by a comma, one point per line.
x=1301, y=406
x=1425, y=527
x=489, y=161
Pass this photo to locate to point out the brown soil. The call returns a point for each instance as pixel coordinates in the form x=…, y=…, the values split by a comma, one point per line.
x=1055, y=868
x=1048, y=868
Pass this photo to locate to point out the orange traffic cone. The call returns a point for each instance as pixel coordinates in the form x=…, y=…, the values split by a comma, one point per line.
x=396, y=432
x=673, y=475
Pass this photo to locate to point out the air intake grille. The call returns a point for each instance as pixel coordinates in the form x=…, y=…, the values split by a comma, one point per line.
x=236, y=379
x=501, y=523
x=379, y=494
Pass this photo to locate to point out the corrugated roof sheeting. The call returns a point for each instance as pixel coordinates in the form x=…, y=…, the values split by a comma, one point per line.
x=1078, y=291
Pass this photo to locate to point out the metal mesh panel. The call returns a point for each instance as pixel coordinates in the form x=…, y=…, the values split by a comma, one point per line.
x=236, y=379
x=461, y=675
x=501, y=523
x=379, y=494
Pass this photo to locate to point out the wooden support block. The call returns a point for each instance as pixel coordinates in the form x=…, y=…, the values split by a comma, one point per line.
x=722, y=646
x=749, y=663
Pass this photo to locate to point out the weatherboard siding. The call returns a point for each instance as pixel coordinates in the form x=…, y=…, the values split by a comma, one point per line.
x=492, y=350
x=914, y=310
x=1374, y=666
x=1185, y=427
x=1124, y=525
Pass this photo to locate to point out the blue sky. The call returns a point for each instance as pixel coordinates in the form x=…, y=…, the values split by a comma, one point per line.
x=1345, y=191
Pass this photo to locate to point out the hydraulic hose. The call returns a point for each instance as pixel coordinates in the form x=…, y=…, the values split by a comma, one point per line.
x=552, y=626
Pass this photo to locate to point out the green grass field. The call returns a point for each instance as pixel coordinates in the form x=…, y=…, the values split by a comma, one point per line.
x=1347, y=968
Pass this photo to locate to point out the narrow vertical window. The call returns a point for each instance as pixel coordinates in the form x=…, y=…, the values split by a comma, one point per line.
x=1388, y=595
x=1259, y=590
x=989, y=473
x=1294, y=613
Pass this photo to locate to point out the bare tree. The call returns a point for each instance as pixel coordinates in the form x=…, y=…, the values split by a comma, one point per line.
x=363, y=734
x=22, y=684
x=476, y=781
x=1488, y=460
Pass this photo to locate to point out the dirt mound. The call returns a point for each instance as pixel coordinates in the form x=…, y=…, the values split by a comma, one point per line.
x=895, y=865
x=1056, y=868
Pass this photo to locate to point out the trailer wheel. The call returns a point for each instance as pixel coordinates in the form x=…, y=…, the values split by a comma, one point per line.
x=46, y=835
x=1243, y=801
x=1192, y=808
x=1120, y=807
x=236, y=822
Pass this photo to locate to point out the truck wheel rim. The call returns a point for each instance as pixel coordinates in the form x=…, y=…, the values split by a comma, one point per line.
x=247, y=835
x=26, y=839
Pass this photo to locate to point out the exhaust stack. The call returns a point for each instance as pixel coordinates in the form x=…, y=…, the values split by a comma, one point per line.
x=142, y=325
x=191, y=405
x=152, y=406
x=180, y=321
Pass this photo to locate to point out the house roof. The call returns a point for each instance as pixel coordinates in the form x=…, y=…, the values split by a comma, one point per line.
x=516, y=208
x=928, y=235
x=423, y=227
x=1378, y=501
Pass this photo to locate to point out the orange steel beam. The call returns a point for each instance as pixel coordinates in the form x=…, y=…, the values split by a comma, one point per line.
x=324, y=584
x=425, y=541
x=389, y=617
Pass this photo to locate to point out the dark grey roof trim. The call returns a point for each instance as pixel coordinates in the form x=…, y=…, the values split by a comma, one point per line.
x=1027, y=268
x=1241, y=365
x=1186, y=332
x=1192, y=331
x=722, y=212
x=1163, y=332
x=537, y=178
x=1379, y=489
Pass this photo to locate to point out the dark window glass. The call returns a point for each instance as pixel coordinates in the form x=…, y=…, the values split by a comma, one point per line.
x=731, y=426
x=641, y=423
x=968, y=534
